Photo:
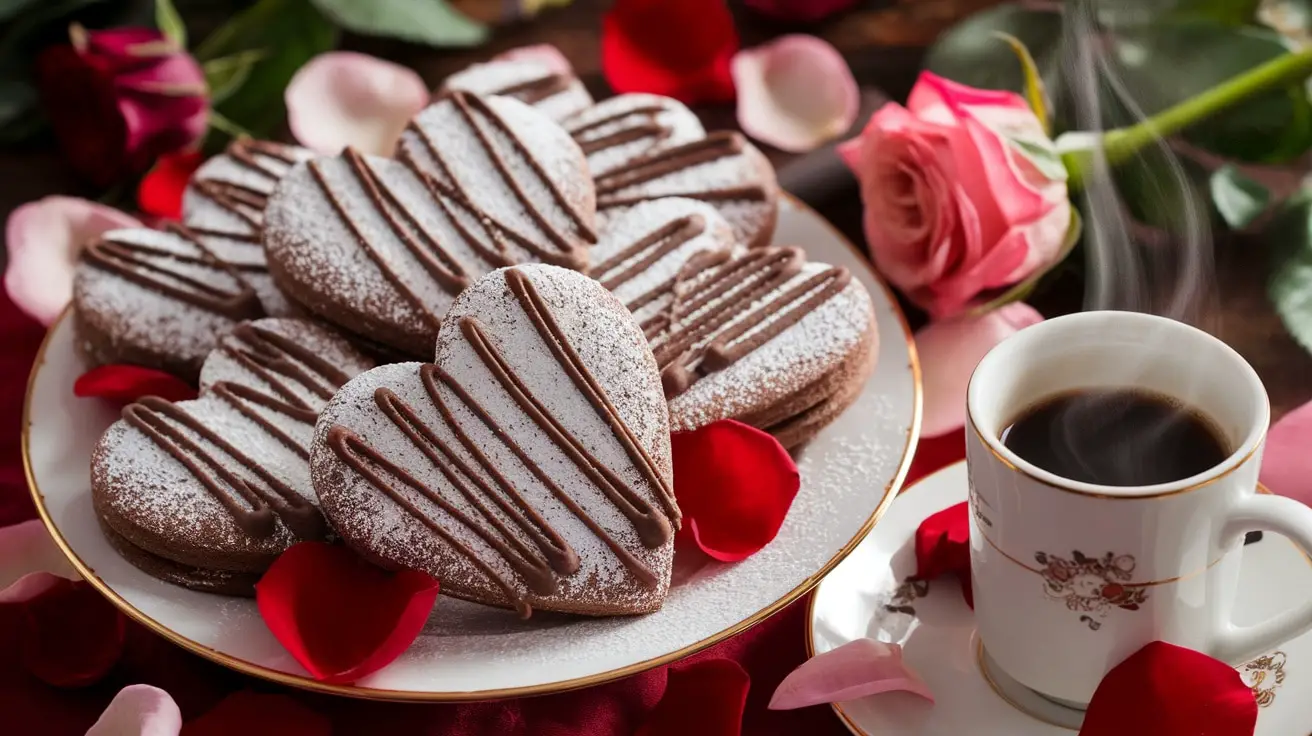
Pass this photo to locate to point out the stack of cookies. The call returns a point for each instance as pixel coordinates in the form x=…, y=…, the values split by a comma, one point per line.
x=465, y=359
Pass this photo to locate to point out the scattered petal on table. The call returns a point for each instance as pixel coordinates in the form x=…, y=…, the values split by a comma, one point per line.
x=706, y=698
x=124, y=384
x=72, y=636
x=1286, y=462
x=676, y=48
x=30, y=563
x=160, y=191
x=1165, y=690
x=795, y=92
x=949, y=351
x=248, y=712
x=734, y=484
x=139, y=710
x=858, y=668
x=943, y=547
x=342, y=98
x=43, y=239
x=542, y=54
x=339, y=616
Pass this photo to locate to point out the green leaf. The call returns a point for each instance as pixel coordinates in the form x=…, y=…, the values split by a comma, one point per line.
x=1169, y=62
x=227, y=74
x=1289, y=286
x=1237, y=198
x=1155, y=196
x=1121, y=14
x=10, y=8
x=969, y=52
x=431, y=22
x=1035, y=93
x=290, y=33
x=170, y=23
x=1022, y=290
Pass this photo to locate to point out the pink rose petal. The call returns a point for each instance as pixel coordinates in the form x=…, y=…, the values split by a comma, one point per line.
x=795, y=92
x=542, y=54
x=29, y=562
x=1286, y=462
x=139, y=710
x=856, y=669
x=43, y=239
x=342, y=98
x=949, y=351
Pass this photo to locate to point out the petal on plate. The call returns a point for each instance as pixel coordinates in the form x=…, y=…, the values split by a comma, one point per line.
x=339, y=616
x=1286, y=462
x=160, y=191
x=124, y=384
x=943, y=547
x=706, y=698
x=542, y=54
x=30, y=563
x=734, y=484
x=858, y=668
x=949, y=351
x=139, y=710
x=795, y=92
x=1166, y=690
x=275, y=713
x=43, y=239
x=342, y=98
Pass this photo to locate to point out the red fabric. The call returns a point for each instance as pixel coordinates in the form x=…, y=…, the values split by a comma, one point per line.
x=706, y=698
x=1165, y=690
x=160, y=192
x=124, y=384
x=676, y=48
x=734, y=484
x=255, y=714
x=72, y=635
x=341, y=617
x=767, y=652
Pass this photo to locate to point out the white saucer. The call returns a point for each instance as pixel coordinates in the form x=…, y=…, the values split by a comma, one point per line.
x=850, y=472
x=939, y=641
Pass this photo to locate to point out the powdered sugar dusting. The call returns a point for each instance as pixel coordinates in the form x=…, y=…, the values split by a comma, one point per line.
x=490, y=78
x=625, y=112
x=198, y=210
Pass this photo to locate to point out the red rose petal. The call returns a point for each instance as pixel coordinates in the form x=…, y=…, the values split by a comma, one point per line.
x=943, y=546
x=706, y=699
x=734, y=484
x=1167, y=690
x=72, y=636
x=79, y=100
x=125, y=384
x=339, y=616
x=256, y=714
x=160, y=191
x=676, y=48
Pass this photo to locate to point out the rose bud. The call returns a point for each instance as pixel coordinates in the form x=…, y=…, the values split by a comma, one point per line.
x=118, y=99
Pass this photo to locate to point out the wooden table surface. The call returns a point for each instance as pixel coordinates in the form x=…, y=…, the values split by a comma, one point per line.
x=883, y=42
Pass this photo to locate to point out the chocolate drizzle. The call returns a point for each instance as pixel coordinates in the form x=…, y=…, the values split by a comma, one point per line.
x=269, y=161
x=723, y=311
x=533, y=91
x=544, y=556
x=664, y=162
x=164, y=271
x=645, y=124
x=633, y=260
x=252, y=505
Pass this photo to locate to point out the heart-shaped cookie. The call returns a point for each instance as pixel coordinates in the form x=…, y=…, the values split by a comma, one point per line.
x=721, y=168
x=557, y=94
x=206, y=493
x=156, y=298
x=381, y=247
x=527, y=467
x=224, y=205
x=764, y=337
x=622, y=128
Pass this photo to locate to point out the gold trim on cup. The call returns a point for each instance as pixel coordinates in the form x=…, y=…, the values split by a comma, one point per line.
x=1114, y=496
x=366, y=693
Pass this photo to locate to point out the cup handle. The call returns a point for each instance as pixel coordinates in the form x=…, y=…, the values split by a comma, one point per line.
x=1292, y=520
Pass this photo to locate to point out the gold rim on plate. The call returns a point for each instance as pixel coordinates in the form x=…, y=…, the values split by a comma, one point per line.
x=307, y=683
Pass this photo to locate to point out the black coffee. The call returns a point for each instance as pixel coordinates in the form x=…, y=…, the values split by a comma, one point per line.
x=1116, y=437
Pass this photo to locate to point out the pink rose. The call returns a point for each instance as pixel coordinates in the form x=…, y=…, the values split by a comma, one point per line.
x=963, y=193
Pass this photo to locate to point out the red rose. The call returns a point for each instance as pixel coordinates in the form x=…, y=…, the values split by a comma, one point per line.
x=118, y=99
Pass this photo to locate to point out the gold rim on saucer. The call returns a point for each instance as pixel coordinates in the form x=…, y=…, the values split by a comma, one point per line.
x=307, y=683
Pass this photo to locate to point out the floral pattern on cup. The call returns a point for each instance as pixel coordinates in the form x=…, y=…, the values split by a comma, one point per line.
x=1264, y=675
x=1091, y=585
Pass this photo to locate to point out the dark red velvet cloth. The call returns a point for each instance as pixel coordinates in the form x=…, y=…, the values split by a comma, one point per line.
x=767, y=652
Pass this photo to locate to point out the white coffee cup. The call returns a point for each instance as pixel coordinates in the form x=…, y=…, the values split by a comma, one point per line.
x=1071, y=578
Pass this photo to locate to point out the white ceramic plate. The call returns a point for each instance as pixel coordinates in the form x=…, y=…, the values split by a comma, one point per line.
x=939, y=643
x=469, y=652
